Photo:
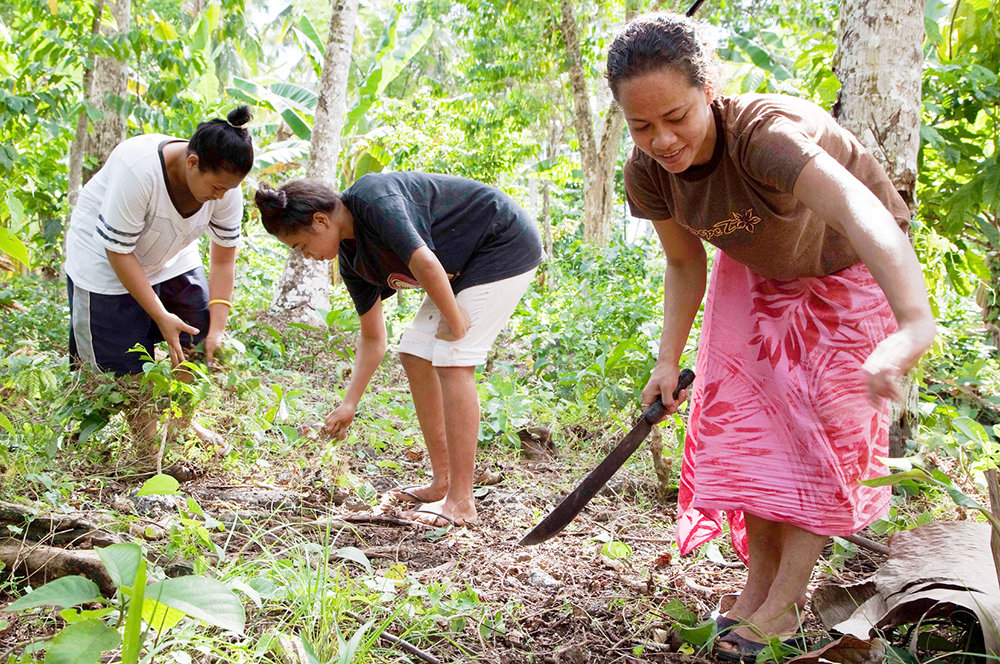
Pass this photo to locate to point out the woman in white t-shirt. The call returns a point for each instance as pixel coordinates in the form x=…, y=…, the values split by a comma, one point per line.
x=131, y=255
x=133, y=270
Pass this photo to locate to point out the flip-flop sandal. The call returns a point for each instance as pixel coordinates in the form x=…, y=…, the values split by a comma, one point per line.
x=723, y=623
x=436, y=515
x=406, y=491
x=748, y=650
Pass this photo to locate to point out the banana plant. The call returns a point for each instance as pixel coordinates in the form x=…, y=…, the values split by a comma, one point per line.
x=366, y=151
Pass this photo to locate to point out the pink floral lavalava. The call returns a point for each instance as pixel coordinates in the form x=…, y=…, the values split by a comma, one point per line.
x=780, y=425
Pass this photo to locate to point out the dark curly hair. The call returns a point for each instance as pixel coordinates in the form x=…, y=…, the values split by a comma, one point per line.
x=659, y=40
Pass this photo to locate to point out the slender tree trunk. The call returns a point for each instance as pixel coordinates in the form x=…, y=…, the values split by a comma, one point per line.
x=993, y=481
x=76, y=151
x=878, y=62
x=110, y=78
x=598, y=156
x=986, y=295
x=304, y=287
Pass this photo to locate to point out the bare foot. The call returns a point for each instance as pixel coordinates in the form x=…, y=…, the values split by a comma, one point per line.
x=416, y=493
x=441, y=514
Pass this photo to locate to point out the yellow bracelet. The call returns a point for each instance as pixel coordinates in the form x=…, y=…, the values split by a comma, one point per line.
x=225, y=302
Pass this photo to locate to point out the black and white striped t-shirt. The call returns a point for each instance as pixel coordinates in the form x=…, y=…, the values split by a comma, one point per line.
x=126, y=208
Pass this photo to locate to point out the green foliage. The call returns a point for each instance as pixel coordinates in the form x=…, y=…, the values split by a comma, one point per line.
x=86, y=637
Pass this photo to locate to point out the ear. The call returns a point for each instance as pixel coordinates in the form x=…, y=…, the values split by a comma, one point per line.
x=320, y=219
x=191, y=161
x=709, y=88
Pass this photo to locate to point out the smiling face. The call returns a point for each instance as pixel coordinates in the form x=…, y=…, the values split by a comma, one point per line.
x=208, y=185
x=669, y=118
x=320, y=242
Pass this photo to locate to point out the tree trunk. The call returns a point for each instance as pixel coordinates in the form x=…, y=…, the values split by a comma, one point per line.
x=304, y=288
x=878, y=62
x=76, y=151
x=597, y=159
x=110, y=77
x=994, y=484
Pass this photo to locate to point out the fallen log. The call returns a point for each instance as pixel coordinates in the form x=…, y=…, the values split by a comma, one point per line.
x=55, y=529
x=41, y=564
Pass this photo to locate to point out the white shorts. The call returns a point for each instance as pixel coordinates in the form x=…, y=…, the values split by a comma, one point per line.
x=489, y=307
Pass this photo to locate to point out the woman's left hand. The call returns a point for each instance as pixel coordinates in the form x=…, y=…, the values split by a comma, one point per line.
x=892, y=358
x=446, y=332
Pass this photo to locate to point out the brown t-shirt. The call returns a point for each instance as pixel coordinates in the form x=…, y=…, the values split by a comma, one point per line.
x=741, y=200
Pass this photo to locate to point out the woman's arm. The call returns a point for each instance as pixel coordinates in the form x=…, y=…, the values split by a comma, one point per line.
x=431, y=276
x=221, y=274
x=135, y=281
x=368, y=357
x=851, y=209
x=683, y=290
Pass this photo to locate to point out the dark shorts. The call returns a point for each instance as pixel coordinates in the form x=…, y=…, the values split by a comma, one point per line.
x=103, y=328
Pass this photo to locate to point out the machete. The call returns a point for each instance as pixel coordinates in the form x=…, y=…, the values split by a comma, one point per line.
x=598, y=477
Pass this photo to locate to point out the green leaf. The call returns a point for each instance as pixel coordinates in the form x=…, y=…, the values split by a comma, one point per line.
x=760, y=57
x=72, y=615
x=283, y=105
x=13, y=247
x=82, y=643
x=6, y=424
x=302, y=96
x=16, y=209
x=202, y=598
x=65, y=592
x=698, y=636
x=159, y=485
x=616, y=550
x=309, y=30
x=164, y=31
x=201, y=34
x=276, y=157
x=159, y=616
x=355, y=555
x=132, y=641
x=122, y=562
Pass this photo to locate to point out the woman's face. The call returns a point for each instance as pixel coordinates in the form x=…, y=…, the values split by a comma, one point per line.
x=209, y=185
x=670, y=119
x=320, y=242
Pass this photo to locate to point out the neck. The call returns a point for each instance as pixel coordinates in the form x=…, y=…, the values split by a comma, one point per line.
x=711, y=136
x=175, y=159
x=343, y=218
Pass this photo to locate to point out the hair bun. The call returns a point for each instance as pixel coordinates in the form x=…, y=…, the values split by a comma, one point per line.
x=269, y=199
x=239, y=116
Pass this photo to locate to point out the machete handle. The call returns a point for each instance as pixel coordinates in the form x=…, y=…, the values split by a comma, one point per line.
x=655, y=412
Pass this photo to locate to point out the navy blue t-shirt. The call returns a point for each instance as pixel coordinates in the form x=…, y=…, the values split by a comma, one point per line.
x=479, y=233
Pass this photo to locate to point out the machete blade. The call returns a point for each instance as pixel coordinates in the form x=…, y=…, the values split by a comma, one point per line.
x=574, y=503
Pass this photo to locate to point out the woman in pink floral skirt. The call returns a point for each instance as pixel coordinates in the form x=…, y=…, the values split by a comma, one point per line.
x=815, y=308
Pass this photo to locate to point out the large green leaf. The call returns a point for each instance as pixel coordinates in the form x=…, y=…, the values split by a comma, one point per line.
x=392, y=59
x=65, y=592
x=159, y=485
x=304, y=97
x=82, y=643
x=277, y=156
x=202, y=598
x=760, y=57
x=122, y=562
x=258, y=94
x=309, y=30
x=14, y=247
